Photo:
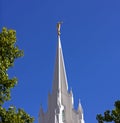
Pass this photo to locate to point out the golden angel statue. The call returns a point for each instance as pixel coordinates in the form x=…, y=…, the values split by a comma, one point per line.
x=58, y=27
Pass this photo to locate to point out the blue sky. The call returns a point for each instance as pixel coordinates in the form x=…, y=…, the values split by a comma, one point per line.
x=91, y=46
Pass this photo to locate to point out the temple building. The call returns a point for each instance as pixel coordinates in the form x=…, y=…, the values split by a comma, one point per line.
x=60, y=100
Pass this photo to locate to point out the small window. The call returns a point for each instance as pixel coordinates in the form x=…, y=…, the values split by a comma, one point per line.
x=63, y=115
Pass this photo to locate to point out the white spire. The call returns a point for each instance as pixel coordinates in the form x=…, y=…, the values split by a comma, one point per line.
x=79, y=106
x=60, y=102
x=60, y=80
x=71, y=92
x=80, y=111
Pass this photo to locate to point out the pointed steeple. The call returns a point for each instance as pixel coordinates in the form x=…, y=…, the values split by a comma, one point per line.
x=41, y=115
x=60, y=80
x=60, y=101
x=79, y=107
x=41, y=110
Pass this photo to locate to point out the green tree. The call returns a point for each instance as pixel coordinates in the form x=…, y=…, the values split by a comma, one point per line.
x=8, y=53
x=110, y=116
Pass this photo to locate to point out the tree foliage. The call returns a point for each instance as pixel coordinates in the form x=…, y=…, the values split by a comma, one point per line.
x=14, y=116
x=8, y=53
x=110, y=116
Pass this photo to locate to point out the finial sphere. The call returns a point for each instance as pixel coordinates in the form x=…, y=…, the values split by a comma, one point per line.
x=58, y=27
